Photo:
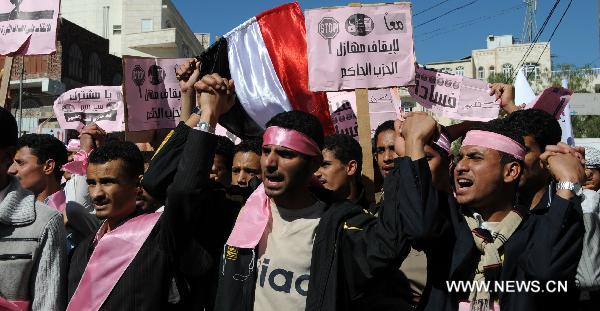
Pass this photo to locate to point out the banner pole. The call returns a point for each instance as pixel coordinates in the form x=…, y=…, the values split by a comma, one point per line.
x=4, y=85
x=21, y=95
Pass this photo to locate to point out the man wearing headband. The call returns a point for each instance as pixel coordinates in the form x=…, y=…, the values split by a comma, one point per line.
x=540, y=129
x=480, y=235
x=293, y=246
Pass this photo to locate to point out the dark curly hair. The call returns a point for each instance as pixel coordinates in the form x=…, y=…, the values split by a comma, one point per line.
x=225, y=148
x=544, y=128
x=8, y=128
x=249, y=145
x=46, y=147
x=128, y=152
x=345, y=148
x=385, y=126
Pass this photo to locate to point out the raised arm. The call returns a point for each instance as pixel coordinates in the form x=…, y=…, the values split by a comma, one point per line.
x=556, y=243
x=190, y=221
x=374, y=248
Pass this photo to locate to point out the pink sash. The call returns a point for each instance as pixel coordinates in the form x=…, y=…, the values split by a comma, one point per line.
x=58, y=200
x=112, y=255
x=466, y=306
x=13, y=305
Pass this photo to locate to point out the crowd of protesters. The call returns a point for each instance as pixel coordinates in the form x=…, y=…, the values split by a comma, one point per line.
x=286, y=221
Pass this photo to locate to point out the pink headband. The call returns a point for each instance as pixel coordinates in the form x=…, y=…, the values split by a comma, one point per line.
x=254, y=216
x=443, y=142
x=494, y=141
x=294, y=140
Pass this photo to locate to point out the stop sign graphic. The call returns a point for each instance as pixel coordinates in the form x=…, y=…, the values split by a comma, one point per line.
x=328, y=29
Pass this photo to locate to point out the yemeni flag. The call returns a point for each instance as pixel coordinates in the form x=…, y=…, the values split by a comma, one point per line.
x=266, y=57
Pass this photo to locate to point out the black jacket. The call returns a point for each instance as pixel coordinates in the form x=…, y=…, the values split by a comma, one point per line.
x=545, y=247
x=209, y=227
x=163, y=272
x=354, y=259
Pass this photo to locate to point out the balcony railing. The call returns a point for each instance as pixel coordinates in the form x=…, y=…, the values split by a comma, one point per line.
x=592, y=71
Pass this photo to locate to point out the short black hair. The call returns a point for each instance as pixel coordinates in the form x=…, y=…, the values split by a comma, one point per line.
x=302, y=122
x=46, y=147
x=345, y=148
x=8, y=128
x=225, y=149
x=544, y=128
x=128, y=152
x=385, y=126
x=502, y=127
x=249, y=145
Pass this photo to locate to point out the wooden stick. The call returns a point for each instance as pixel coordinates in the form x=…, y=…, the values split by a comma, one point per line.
x=5, y=80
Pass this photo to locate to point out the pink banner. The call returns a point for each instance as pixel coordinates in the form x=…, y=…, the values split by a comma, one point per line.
x=102, y=105
x=342, y=107
x=454, y=96
x=152, y=92
x=553, y=100
x=384, y=104
x=362, y=47
x=28, y=27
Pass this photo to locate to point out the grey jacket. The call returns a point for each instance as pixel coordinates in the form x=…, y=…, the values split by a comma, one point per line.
x=588, y=271
x=32, y=251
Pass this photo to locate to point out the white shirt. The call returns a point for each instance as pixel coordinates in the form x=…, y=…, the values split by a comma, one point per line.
x=284, y=258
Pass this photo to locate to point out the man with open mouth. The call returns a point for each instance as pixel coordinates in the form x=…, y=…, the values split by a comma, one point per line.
x=291, y=232
x=480, y=234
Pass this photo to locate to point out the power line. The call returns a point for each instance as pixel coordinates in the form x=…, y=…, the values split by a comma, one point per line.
x=446, y=13
x=552, y=34
x=435, y=33
x=430, y=8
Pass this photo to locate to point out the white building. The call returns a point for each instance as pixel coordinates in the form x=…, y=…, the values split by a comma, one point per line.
x=137, y=27
x=502, y=55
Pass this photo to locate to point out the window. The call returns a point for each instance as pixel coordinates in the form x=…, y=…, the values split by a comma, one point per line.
x=116, y=29
x=460, y=70
x=480, y=73
x=407, y=106
x=94, y=73
x=147, y=25
x=532, y=70
x=75, y=62
x=446, y=70
x=507, y=70
x=492, y=70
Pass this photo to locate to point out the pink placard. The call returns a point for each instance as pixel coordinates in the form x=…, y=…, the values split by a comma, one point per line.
x=28, y=27
x=360, y=47
x=103, y=105
x=152, y=92
x=454, y=96
x=384, y=104
x=553, y=100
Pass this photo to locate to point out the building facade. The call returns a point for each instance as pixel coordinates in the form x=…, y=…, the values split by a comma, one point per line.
x=151, y=28
x=503, y=55
x=81, y=58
